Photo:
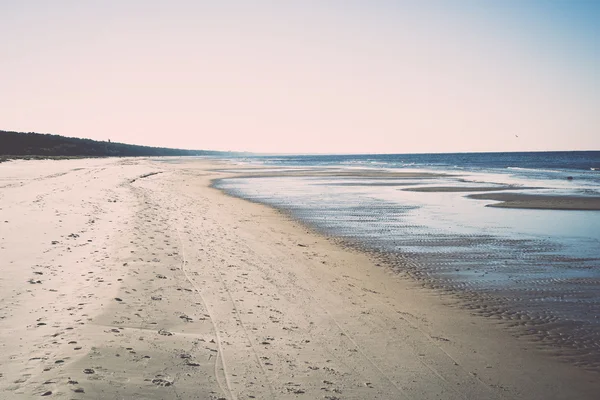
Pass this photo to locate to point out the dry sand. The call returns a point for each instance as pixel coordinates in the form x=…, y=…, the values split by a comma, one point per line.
x=134, y=279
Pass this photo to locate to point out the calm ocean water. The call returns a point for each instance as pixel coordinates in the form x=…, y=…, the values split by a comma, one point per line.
x=584, y=166
x=556, y=160
x=536, y=270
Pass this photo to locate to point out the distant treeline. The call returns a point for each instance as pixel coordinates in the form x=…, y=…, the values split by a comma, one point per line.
x=37, y=144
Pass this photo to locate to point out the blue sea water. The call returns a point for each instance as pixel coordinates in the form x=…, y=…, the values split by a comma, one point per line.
x=583, y=166
x=553, y=160
x=536, y=269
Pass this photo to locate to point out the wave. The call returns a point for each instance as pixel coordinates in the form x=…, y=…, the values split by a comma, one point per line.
x=537, y=170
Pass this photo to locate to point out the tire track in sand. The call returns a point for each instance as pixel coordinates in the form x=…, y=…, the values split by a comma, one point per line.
x=220, y=354
x=238, y=316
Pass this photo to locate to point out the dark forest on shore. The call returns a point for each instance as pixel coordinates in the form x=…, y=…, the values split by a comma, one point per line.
x=36, y=145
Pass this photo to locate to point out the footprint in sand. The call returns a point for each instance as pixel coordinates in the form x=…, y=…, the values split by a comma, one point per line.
x=161, y=380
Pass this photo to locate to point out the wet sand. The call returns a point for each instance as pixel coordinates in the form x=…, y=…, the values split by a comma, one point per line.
x=463, y=189
x=539, y=201
x=135, y=279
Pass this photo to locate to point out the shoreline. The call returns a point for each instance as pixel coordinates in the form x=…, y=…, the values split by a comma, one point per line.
x=546, y=332
x=242, y=301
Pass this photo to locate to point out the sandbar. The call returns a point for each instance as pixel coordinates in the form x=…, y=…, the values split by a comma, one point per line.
x=540, y=201
x=461, y=189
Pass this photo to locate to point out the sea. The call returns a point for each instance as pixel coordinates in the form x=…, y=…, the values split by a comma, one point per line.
x=536, y=272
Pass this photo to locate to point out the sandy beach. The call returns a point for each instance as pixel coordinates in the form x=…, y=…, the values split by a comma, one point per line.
x=134, y=278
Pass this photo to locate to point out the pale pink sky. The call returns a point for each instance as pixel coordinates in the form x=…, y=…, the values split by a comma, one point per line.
x=306, y=76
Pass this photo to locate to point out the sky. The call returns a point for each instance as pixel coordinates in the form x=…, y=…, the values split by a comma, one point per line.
x=326, y=76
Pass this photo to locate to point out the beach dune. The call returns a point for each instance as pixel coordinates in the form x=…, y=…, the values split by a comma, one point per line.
x=133, y=278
